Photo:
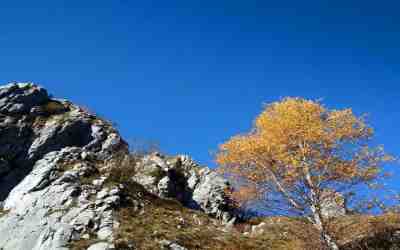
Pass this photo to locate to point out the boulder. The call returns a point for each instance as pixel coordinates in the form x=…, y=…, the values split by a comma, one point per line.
x=169, y=245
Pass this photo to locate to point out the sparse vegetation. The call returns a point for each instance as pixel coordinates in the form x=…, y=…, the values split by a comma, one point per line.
x=162, y=219
x=53, y=107
x=3, y=212
x=157, y=173
x=368, y=231
x=141, y=147
x=122, y=167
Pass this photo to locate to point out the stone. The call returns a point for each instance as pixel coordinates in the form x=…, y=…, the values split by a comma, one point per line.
x=104, y=233
x=102, y=194
x=101, y=246
x=98, y=182
x=333, y=204
x=47, y=205
x=166, y=187
x=21, y=97
x=169, y=245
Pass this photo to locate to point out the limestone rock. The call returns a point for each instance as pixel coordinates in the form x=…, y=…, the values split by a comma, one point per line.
x=258, y=229
x=53, y=157
x=169, y=245
x=42, y=142
x=333, y=204
x=101, y=246
x=183, y=179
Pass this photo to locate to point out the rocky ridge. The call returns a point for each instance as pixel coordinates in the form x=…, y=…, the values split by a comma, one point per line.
x=54, y=158
x=45, y=149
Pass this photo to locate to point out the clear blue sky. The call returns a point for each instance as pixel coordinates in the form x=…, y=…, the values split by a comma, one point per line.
x=190, y=74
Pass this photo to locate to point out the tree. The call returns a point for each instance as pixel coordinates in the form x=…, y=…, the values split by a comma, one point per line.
x=298, y=153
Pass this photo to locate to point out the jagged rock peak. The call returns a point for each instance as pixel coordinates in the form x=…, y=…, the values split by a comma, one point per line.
x=47, y=149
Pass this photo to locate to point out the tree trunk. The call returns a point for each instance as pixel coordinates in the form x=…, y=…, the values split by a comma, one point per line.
x=316, y=213
x=326, y=238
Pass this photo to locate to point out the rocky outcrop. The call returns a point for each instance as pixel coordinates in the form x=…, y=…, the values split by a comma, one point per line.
x=47, y=148
x=183, y=179
x=54, y=165
x=333, y=204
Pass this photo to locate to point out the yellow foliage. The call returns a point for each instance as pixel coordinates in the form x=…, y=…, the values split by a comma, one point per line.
x=294, y=137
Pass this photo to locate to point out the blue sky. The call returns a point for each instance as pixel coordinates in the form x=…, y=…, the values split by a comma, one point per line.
x=190, y=74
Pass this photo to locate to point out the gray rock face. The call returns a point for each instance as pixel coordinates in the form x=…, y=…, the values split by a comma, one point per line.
x=26, y=137
x=183, y=179
x=53, y=189
x=333, y=205
x=21, y=98
x=209, y=194
x=45, y=146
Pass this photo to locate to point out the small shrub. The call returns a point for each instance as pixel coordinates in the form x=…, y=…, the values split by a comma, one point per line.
x=122, y=168
x=3, y=212
x=53, y=107
x=141, y=147
x=157, y=173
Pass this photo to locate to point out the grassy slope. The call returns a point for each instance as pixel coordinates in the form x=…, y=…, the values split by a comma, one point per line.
x=368, y=232
x=167, y=219
x=161, y=219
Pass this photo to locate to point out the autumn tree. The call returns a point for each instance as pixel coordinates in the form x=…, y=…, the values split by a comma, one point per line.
x=300, y=152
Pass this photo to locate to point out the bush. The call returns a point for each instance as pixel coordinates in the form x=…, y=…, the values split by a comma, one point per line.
x=122, y=168
x=53, y=108
x=140, y=147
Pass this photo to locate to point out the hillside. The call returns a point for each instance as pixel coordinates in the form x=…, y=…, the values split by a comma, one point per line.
x=68, y=181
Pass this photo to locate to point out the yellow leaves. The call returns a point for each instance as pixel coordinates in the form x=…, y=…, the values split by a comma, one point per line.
x=344, y=125
x=296, y=133
x=239, y=149
x=291, y=121
x=279, y=130
x=388, y=158
x=295, y=162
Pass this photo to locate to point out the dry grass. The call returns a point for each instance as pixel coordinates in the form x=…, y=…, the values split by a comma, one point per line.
x=3, y=212
x=53, y=107
x=161, y=219
x=367, y=231
x=121, y=168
